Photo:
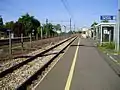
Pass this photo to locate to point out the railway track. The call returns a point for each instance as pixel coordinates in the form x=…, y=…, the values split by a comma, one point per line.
x=20, y=75
x=18, y=51
x=17, y=60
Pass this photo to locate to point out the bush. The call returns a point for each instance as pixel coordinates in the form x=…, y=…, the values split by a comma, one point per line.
x=109, y=45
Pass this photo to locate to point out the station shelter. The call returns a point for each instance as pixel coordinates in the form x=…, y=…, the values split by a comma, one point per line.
x=105, y=32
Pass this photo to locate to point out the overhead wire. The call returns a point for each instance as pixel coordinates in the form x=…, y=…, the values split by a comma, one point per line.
x=66, y=7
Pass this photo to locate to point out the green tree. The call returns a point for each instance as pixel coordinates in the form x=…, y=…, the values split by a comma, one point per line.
x=18, y=29
x=1, y=22
x=49, y=29
x=39, y=30
x=35, y=24
x=94, y=23
x=57, y=27
x=9, y=25
x=30, y=23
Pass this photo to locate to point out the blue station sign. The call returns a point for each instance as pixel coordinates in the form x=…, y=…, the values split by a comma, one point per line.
x=107, y=17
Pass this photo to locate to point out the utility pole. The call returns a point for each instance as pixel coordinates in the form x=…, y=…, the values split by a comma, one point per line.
x=22, y=41
x=10, y=44
x=42, y=32
x=30, y=40
x=46, y=27
x=109, y=36
x=65, y=30
x=74, y=27
x=118, y=26
x=70, y=24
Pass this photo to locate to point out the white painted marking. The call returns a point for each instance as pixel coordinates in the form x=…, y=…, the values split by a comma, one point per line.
x=68, y=83
x=113, y=59
x=107, y=54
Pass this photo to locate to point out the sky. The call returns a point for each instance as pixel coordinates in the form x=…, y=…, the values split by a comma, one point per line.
x=84, y=12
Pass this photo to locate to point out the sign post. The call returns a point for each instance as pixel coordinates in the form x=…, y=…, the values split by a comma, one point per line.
x=22, y=42
x=10, y=44
x=118, y=28
x=41, y=32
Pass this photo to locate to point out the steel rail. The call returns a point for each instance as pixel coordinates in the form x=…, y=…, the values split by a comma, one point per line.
x=16, y=66
x=27, y=82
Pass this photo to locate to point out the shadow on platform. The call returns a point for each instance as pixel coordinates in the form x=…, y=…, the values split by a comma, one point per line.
x=83, y=45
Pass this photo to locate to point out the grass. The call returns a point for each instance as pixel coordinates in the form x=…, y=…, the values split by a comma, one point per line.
x=110, y=49
x=110, y=46
x=107, y=48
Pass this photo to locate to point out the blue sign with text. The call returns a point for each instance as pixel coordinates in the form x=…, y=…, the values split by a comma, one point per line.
x=107, y=17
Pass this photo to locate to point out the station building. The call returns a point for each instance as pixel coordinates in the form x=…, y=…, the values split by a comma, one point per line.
x=105, y=32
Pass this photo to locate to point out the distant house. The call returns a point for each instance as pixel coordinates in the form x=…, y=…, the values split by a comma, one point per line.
x=84, y=32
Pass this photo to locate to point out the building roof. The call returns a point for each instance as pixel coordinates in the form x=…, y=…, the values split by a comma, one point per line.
x=106, y=24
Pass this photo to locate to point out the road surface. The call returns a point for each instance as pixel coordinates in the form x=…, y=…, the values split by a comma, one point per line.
x=81, y=68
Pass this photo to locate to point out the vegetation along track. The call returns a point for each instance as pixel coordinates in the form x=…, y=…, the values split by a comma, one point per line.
x=22, y=74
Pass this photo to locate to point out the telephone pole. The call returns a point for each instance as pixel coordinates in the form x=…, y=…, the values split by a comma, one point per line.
x=74, y=27
x=70, y=24
x=10, y=44
x=46, y=27
x=118, y=27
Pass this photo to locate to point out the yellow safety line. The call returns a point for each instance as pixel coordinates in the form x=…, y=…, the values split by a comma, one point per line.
x=68, y=83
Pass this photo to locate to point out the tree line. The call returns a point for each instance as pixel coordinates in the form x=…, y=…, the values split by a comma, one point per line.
x=27, y=24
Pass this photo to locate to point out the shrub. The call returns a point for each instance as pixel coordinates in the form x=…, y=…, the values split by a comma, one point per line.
x=109, y=45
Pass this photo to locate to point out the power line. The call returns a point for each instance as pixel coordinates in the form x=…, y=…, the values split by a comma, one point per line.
x=68, y=10
x=65, y=3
